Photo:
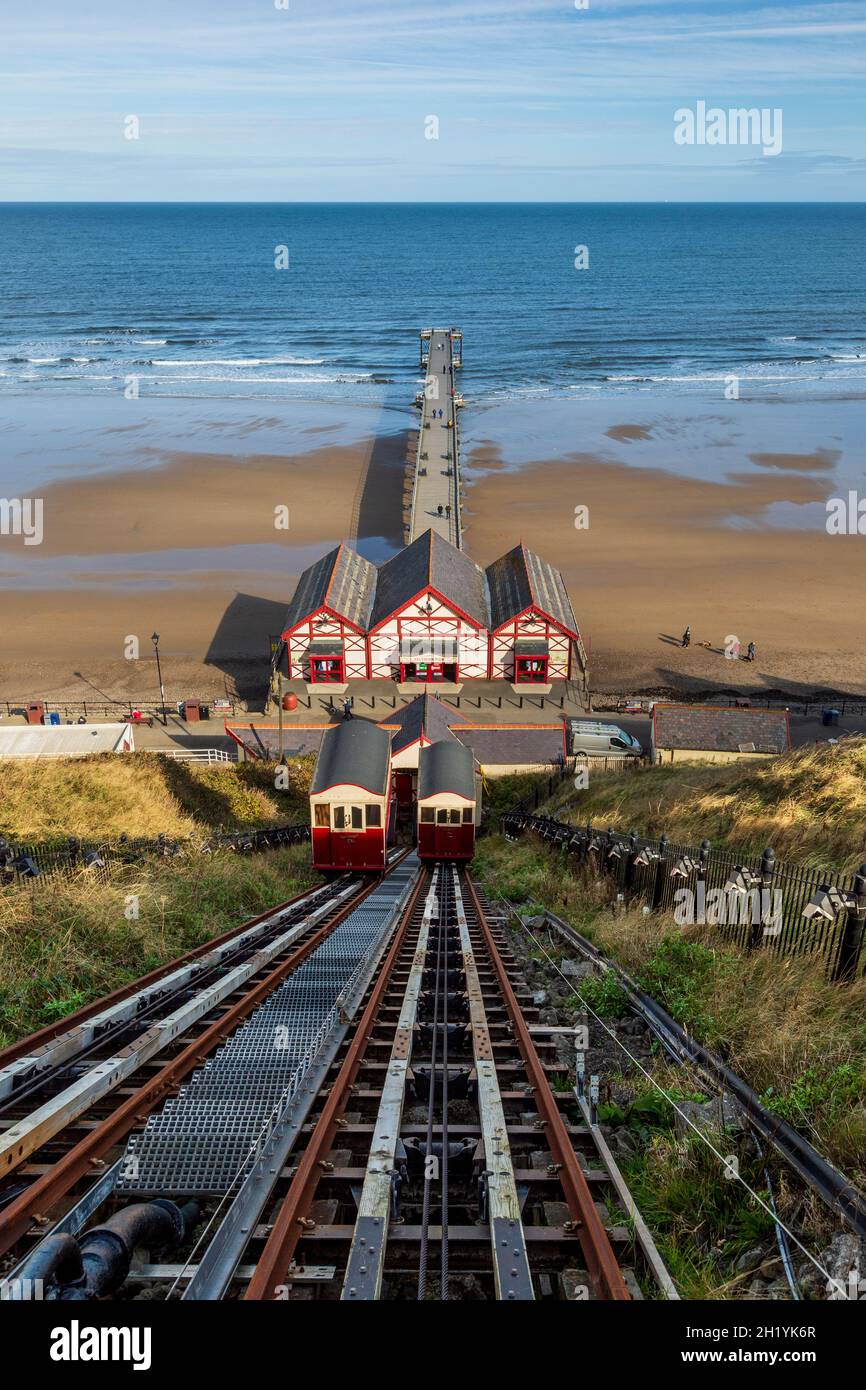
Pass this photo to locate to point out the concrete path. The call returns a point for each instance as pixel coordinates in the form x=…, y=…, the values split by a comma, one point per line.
x=436, y=494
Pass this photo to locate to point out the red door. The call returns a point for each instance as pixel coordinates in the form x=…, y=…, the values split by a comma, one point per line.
x=326, y=670
x=403, y=788
x=530, y=670
x=449, y=840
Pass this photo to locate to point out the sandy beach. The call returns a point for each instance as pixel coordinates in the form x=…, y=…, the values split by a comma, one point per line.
x=187, y=546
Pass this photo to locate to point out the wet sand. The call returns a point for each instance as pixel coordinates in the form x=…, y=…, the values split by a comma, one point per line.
x=662, y=552
x=188, y=547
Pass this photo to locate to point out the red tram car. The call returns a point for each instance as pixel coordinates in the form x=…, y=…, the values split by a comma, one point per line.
x=350, y=798
x=447, y=801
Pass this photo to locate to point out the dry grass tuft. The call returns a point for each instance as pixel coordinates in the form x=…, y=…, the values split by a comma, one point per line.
x=810, y=805
x=71, y=942
x=139, y=794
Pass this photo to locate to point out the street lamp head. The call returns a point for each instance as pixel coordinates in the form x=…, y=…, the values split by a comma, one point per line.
x=154, y=637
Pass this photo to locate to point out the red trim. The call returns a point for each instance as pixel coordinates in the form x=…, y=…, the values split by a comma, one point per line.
x=322, y=611
x=533, y=607
x=373, y=791
x=316, y=678
x=407, y=603
x=446, y=791
x=431, y=666
x=531, y=677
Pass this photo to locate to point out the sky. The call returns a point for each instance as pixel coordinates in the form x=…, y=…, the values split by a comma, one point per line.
x=334, y=100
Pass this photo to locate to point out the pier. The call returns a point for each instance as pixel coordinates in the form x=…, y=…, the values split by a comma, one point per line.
x=436, y=486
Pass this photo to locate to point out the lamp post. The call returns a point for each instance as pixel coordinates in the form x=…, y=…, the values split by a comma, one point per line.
x=155, y=640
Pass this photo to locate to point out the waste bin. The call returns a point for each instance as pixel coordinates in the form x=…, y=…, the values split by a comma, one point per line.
x=35, y=712
x=829, y=717
x=53, y=717
x=290, y=700
x=192, y=711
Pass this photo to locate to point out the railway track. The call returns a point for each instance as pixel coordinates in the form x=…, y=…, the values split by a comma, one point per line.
x=415, y=1139
x=71, y=1092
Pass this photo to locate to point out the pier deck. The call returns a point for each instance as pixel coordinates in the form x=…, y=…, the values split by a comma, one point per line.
x=436, y=488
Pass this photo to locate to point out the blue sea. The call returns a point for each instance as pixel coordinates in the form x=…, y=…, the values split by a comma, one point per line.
x=675, y=298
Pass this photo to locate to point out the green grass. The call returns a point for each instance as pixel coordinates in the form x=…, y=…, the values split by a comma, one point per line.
x=810, y=805
x=63, y=945
x=140, y=794
x=775, y=1020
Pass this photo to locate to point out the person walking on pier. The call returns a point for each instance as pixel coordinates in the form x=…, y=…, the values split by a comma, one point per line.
x=687, y=636
x=347, y=710
x=439, y=509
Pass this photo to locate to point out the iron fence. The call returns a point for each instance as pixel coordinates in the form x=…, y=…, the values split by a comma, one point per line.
x=35, y=863
x=755, y=901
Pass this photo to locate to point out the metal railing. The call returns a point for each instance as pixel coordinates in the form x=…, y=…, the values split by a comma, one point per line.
x=26, y=864
x=119, y=710
x=755, y=901
x=193, y=755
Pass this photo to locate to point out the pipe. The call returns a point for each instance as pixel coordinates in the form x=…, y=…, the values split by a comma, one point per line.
x=57, y=1259
x=98, y=1263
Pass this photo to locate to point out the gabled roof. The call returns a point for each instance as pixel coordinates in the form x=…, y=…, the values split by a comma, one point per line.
x=446, y=766
x=721, y=728
x=432, y=562
x=356, y=753
x=343, y=581
x=424, y=716
x=520, y=580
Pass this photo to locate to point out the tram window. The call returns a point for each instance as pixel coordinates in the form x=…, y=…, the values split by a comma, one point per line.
x=322, y=815
x=467, y=815
x=428, y=815
x=357, y=818
x=374, y=816
x=442, y=817
x=339, y=818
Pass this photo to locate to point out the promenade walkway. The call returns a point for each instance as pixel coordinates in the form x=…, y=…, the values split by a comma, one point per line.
x=436, y=489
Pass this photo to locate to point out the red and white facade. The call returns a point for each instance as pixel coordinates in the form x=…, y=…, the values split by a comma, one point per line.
x=326, y=649
x=531, y=649
x=430, y=616
x=430, y=640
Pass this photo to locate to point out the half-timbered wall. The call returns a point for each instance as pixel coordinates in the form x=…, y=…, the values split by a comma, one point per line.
x=413, y=623
x=503, y=639
x=354, y=646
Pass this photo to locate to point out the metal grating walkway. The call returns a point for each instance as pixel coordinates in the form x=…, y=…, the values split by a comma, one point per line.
x=204, y=1139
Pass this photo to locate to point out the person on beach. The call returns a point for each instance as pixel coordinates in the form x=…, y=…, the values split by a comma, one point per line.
x=750, y=652
x=687, y=636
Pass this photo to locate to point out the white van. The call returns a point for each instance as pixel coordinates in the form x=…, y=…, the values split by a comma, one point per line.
x=592, y=738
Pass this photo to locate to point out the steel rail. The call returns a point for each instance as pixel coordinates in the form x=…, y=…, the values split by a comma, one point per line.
x=511, y=1271
x=32, y=1130
x=33, y=1042
x=438, y=889
x=287, y=1230
x=832, y=1186
x=366, y=1260
x=601, y=1262
x=35, y=1070
x=43, y=1194
x=450, y=875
